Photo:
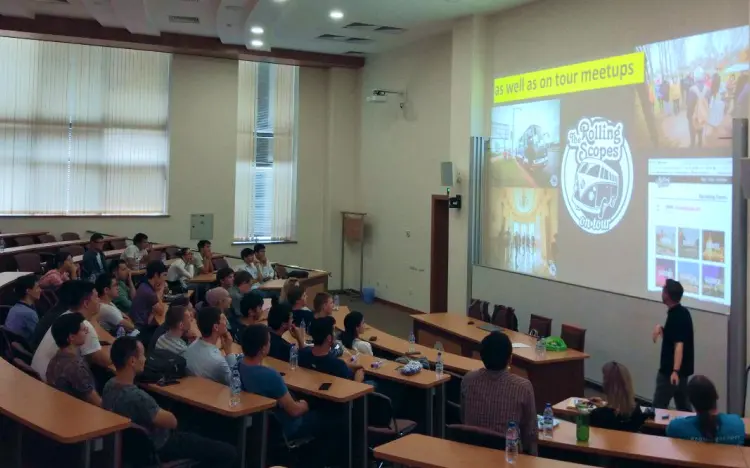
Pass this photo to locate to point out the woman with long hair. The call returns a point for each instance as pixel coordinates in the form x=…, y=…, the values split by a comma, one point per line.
x=354, y=326
x=620, y=411
x=708, y=425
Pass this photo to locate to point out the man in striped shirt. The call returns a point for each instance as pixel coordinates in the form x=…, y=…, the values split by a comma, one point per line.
x=178, y=323
x=492, y=397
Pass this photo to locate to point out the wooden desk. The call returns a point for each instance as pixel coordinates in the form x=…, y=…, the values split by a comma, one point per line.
x=214, y=397
x=315, y=283
x=7, y=278
x=204, y=278
x=555, y=377
x=56, y=415
x=117, y=253
x=6, y=256
x=660, y=423
x=647, y=448
x=420, y=451
x=13, y=235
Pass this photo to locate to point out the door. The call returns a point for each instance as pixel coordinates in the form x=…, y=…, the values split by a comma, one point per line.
x=439, y=254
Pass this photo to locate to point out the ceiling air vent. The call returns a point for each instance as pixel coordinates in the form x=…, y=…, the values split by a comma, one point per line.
x=361, y=26
x=358, y=40
x=184, y=19
x=332, y=37
x=389, y=30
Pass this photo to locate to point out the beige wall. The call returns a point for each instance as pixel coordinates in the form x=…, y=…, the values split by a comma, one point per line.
x=203, y=124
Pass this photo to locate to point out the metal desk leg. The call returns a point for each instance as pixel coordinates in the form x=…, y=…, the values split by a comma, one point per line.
x=429, y=425
x=113, y=449
x=86, y=448
x=349, y=435
x=17, y=430
x=440, y=416
x=258, y=424
x=359, y=440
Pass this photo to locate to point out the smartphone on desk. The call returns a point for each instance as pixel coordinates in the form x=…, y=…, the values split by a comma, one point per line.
x=325, y=386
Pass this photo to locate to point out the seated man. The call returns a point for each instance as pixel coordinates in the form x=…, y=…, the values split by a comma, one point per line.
x=493, y=396
x=318, y=356
x=297, y=299
x=125, y=286
x=22, y=318
x=94, y=263
x=178, y=323
x=181, y=301
x=203, y=357
x=225, y=278
x=264, y=266
x=137, y=252
x=219, y=297
x=110, y=317
x=181, y=271
x=280, y=321
x=148, y=300
x=323, y=305
x=203, y=259
x=68, y=371
x=84, y=300
x=251, y=308
x=123, y=397
x=242, y=285
x=250, y=266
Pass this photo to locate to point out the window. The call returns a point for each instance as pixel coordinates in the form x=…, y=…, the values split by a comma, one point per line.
x=83, y=130
x=265, y=186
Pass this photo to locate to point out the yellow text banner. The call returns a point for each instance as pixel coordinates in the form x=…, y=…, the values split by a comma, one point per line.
x=622, y=70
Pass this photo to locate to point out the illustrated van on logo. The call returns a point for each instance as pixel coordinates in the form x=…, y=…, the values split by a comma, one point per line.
x=597, y=187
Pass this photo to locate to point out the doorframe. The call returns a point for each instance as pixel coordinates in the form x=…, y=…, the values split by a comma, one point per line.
x=438, y=298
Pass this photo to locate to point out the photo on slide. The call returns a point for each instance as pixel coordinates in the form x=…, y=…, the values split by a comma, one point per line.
x=694, y=87
x=524, y=231
x=688, y=245
x=688, y=275
x=713, y=246
x=713, y=281
x=664, y=271
x=525, y=144
x=665, y=240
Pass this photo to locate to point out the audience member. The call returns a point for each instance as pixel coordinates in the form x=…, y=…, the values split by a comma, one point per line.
x=708, y=425
x=620, y=411
x=250, y=266
x=148, y=300
x=181, y=270
x=67, y=370
x=493, y=396
x=178, y=322
x=22, y=318
x=242, y=285
x=203, y=259
x=179, y=301
x=354, y=327
x=110, y=317
x=84, y=300
x=61, y=269
x=94, y=262
x=251, y=308
x=136, y=252
x=297, y=299
x=288, y=284
x=279, y=322
x=125, y=287
x=225, y=277
x=123, y=397
x=323, y=305
x=265, y=268
x=318, y=356
x=203, y=357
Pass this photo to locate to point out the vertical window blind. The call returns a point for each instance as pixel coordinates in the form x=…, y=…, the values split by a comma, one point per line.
x=266, y=169
x=83, y=129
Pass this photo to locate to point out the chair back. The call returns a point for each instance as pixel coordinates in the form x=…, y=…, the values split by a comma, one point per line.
x=220, y=262
x=453, y=387
x=473, y=435
x=172, y=251
x=14, y=349
x=23, y=240
x=574, y=337
x=154, y=256
x=281, y=271
x=70, y=236
x=542, y=325
x=46, y=301
x=505, y=317
x=47, y=238
x=475, y=309
x=29, y=262
x=73, y=250
x=379, y=410
x=137, y=447
x=118, y=244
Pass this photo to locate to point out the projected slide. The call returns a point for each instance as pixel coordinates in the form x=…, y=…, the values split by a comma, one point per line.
x=616, y=173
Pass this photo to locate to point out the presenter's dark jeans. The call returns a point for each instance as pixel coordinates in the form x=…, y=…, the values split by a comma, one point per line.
x=665, y=391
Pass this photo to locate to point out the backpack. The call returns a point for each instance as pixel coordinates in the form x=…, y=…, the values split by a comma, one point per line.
x=163, y=364
x=700, y=113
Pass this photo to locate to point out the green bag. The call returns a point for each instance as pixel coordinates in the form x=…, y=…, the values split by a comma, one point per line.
x=555, y=343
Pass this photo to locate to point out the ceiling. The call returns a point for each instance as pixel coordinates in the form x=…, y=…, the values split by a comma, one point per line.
x=287, y=24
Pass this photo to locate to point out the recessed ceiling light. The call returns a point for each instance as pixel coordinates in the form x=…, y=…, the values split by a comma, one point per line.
x=256, y=30
x=336, y=14
x=279, y=1
x=256, y=43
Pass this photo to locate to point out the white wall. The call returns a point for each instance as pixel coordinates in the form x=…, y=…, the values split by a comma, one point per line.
x=203, y=120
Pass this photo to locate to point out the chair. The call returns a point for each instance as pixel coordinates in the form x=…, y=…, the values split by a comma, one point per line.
x=220, y=262
x=47, y=238
x=281, y=271
x=14, y=349
x=453, y=398
x=505, y=317
x=23, y=240
x=118, y=244
x=154, y=256
x=70, y=236
x=479, y=310
x=29, y=262
x=574, y=337
x=73, y=250
x=473, y=435
x=542, y=325
x=382, y=426
x=46, y=301
x=138, y=450
x=278, y=442
x=172, y=251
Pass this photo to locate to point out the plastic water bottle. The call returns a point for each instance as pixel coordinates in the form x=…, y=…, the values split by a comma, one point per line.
x=303, y=327
x=336, y=302
x=548, y=421
x=540, y=347
x=293, y=357
x=235, y=387
x=2, y=245
x=511, y=443
x=412, y=342
x=120, y=331
x=439, y=365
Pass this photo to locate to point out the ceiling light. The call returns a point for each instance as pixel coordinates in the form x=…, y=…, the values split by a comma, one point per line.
x=336, y=14
x=256, y=30
x=279, y=1
x=256, y=43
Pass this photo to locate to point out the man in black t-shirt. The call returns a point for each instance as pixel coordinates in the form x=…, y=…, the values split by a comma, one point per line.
x=280, y=321
x=677, y=352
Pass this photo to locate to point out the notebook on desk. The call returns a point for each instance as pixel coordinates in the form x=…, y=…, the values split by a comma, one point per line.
x=490, y=328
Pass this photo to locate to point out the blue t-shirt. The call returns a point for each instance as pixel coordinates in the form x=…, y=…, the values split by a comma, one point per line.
x=22, y=320
x=731, y=429
x=267, y=382
x=327, y=364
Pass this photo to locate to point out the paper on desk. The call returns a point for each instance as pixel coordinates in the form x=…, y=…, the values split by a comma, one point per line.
x=521, y=345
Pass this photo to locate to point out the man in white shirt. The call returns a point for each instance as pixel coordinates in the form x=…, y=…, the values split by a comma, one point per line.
x=136, y=252
x=181, y=270
x=250, y=266
x=110, y=317
x=203, y=260
x=203, y=357
x=84, y=300
x=267, y=273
